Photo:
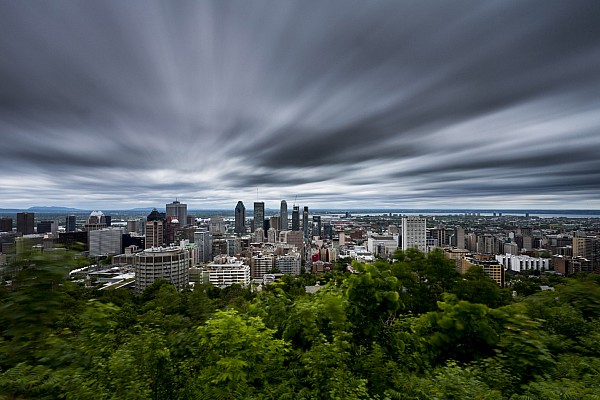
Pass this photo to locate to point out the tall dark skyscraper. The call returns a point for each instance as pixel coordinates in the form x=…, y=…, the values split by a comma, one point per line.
x=283, y=216
x=240, y=218
x=305, y=226
x=296, y=218
x=71, y=223
x=327, y=231
x=25, y=223
x=316, y=225
x=259, y=214
x=6, y=224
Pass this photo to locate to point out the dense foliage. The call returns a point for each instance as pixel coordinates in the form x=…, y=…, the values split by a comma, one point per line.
x=409, y=329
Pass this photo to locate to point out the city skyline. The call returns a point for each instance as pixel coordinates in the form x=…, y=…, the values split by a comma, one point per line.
x=388, y=105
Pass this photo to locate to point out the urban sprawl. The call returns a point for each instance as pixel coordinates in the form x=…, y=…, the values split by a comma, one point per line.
x=134, y=251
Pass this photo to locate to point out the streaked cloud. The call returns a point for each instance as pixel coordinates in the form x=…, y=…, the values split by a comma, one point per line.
x=341, y=103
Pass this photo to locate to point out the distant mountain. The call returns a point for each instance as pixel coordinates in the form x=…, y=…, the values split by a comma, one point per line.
x=52, y=209
x=9, y=210
x=149, y=209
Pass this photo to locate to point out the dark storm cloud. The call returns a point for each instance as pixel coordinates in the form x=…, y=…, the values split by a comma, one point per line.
x=336, y=101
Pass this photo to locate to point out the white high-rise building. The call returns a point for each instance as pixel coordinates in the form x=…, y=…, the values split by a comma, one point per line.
x=414, y=233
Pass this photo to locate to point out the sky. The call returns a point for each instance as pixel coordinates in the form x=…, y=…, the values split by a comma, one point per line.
x=330, y=104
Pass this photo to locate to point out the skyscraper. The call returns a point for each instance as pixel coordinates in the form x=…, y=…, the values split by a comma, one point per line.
x=305, y=226
x=25, y=223
x=460, y=237
x=296, y=218
x=316, y=225
x=327, y=231
x=71, y=223
x=240, y=218
x=179, y=210
x=204, y=241
x=259, y=215
x=283, y=216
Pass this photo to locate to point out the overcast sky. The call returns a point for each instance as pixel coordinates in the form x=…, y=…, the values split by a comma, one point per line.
x=379, y=104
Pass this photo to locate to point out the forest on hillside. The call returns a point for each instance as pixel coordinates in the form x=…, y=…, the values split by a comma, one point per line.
x=413, y=328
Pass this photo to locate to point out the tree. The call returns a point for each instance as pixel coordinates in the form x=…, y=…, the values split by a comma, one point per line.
x=477, y=287
x=373, y=302
x=460, y=331
x=238, y=358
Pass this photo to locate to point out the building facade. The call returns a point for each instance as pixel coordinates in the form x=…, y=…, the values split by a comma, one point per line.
x=305, y=226
x=259, y=215
x=96, y=220
x=105, y=242
x=261, y=264
x=162, y=263
x=225, y=271
x=204, y=241
x=154, y=234
x=414, y=233
x=25, y=223
x=71, y=223
x=518, y=263
x=289, y=263
x=296, y=218
x=6, y=224
x=47, y=226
